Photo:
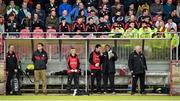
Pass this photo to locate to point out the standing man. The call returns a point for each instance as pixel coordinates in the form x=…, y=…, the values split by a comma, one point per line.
x=137, y=66
x=40, y=59
x=108, y=68
x=11, y=68
x=95, y=61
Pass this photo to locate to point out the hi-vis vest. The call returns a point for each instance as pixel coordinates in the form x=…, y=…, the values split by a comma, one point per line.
x=96, y=59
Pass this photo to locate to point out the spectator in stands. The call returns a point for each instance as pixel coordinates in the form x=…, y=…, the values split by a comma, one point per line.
x=79, y=26
x=118, y=18
x=103, y=26
x=132, y=19
x=161, y=30
x=76, y=3
x=64, y=6
x=27, y=22
x=64, y=26
x=159, y=19
x=1, y=23
x=66, y=16
x=109, y=58
x=29, y=5
x=178, y=9
x=145, y=31
x=2, y=7
x=90, y=7
x=95, y=18
x=116, y=30
x=75, y=12
x=52, y=21
x=40, y=60
x=174, y=17
x=170, y=24
x=91, y=26
x=81, y=13
x=145, y=13
x=73, y=71
x=23, y=12
x=11, y=24
x=52, y=5
x=127, y=4
x=168, y=8
x=156, y=8
x=37, y=22
x=104, y=10
x=40, y=12
x=132, y=8
x=102, y=3
x=117, y=7
x=131, y=30
x=141, y=8
x=128, y=15
x=92, y=3
x=12, y=8
x=107, y=20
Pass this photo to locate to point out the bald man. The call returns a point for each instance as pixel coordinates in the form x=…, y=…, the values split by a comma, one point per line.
x=137, y=66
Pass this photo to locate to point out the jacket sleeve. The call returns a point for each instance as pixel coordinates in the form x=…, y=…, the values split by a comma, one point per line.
x=33, y=58
x=91, y=59
x=145, y=62
x=69, y=63
x=130, y=62
x=6, y=64
x=46, y=58
x=78, y=67
x=115, y=57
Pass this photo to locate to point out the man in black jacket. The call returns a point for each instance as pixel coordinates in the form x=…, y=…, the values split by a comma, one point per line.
x=108, y=68
x=11, y=68
x=40, y=59
x=137, y=66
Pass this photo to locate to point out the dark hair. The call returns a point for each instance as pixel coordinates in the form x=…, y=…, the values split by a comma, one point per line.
x=41, y=44
x=90, y=18
x=108, y=45
x=10, y=45
x=97, y=46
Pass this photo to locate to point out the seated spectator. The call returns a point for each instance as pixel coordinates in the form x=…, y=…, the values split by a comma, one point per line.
x=128, y=15
x=40, y=12
x=64, y=26
x=132, y=19
x=170, y=24
x=141, y=8
x=174, y=16
x=117, y=7
x=64, y=6
x=75, y=12
x=27, y=22
x=37, y=22
x=132, y=30
x=76, y=4
x=95, y=18
x=118, y=18
x=168, y=8
x=11, y=25
x=145, y=13
x=178, y=9
x=103, y=26
x=52, y=5
x=128, y=33
x=104, y=10
x=156, y=8
x=102, y=3
x=107, y=20
x=91, y=26
x=92, y=3
x=81, y=13
x=2, y=8
x=29, y=4
x=116, y=30
x=90, y=7
x=23, y=12
x=52, y=21
x=159, y=19
x=145, y=31
x=161, y=30
x=66, y=16
x=12, y=8
x=132, y=8
x=1, y=23
x=127, y=4
x=79, y=26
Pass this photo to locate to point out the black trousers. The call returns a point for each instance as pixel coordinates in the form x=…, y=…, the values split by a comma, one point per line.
x=8, y=84
x=142, y=81
x=75, y=77
x=96, y=74
x=108, y=77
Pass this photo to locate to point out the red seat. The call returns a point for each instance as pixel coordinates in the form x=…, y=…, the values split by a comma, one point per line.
x=51, y=33
x=64, y=36
x=77, y=36
x=38, y=33
x=24, y=33
x=104, y=36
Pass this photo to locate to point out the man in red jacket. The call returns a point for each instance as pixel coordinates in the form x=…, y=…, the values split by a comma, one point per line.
x=95, y=61
x=73, y=70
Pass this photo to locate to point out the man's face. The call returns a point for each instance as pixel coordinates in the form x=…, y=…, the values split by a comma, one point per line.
x=98, y=49
x=73, y=51
x=11, y=48
x=65, y=1
x=81, y=6
x=91, y=21
x=24, y=5
x=38, y=6
x=138, y=49
x=12, y=4
x=53, y=13
x=52, y=1
x=157, y=1
x=40, y=47
x=64, y=12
